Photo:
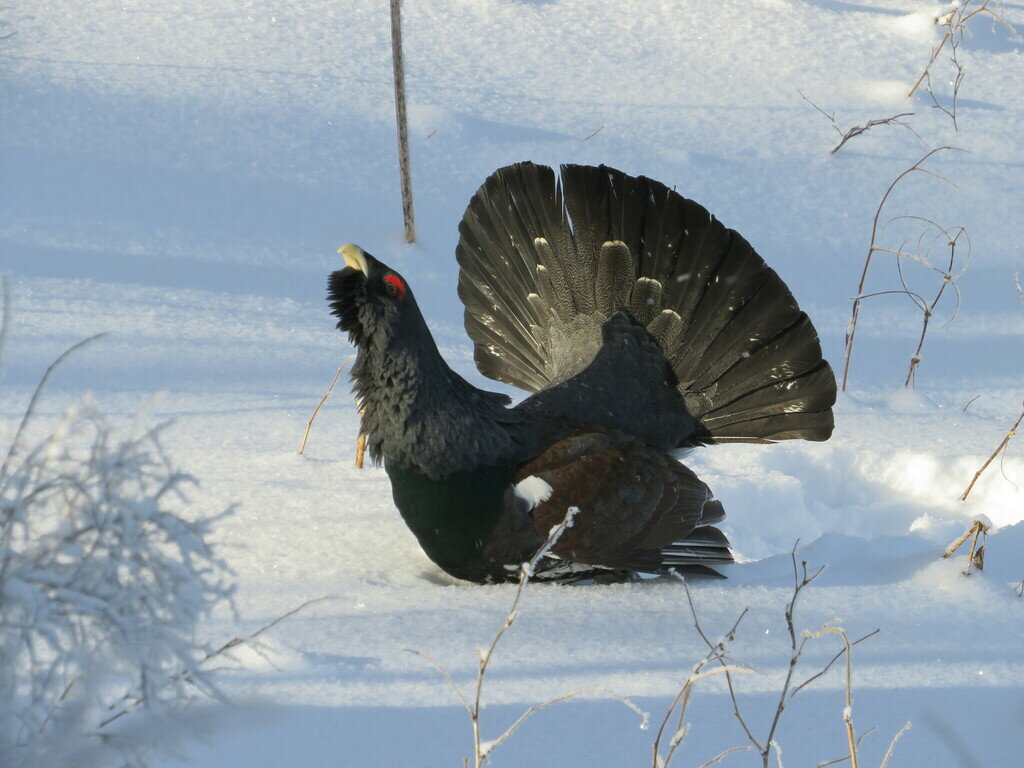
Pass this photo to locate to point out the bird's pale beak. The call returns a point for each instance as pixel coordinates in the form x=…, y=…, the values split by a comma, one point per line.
x=355, y=257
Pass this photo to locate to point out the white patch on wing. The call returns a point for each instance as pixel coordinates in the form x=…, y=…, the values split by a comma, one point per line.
x=533, y=490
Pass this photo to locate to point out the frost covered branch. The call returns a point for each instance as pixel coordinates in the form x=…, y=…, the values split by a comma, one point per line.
x=102, y=581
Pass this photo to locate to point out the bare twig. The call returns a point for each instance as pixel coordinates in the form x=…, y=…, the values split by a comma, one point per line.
x=722, y=754
x=948, y=279
x=1019, y=589
x=851, y=329
x=131, y=700
x=857, y=130
x=592, y=135
x=892, y=744
x=33, y=401
x=969, y=402
x=999, y=449
x=828, y=666
x=956, y=21
x=844, y=758
x=716, y=653
x=327, y=394
x=473, y=705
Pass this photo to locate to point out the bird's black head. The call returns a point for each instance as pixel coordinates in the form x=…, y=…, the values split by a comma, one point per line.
x=370, y=300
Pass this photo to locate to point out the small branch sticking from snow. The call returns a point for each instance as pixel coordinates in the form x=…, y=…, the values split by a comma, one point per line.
x=857, y=130
x=999, y=449
x=482, y=748
x=327, y=394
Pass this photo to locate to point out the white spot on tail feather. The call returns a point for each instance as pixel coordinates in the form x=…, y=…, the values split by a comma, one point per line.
x=533, y=490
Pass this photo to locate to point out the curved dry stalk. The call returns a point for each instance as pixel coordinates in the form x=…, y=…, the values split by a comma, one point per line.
x=444, y=673
x=488, y=747
x=722, y=754
x=327, y=394
x=851, y=330
x=828, y=666
x=34, y=400
x=682, y=700
x=892, y=744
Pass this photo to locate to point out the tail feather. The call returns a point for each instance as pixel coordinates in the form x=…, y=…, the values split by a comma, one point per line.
x=547, y=259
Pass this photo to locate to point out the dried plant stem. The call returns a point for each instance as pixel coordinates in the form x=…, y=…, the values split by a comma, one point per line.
x=928, y=309
x=857, y=130
x=931, y=60
x=848, y=709
x=482, y=749
x=722, y=754
x=130, y=700
x=360, y=443
x=327, y=394
x=999, y=449
x=956, y=22
x=851, y=329
x=892, y=744
x=34, y=400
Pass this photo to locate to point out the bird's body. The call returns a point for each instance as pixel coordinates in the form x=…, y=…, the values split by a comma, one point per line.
x=641, y=325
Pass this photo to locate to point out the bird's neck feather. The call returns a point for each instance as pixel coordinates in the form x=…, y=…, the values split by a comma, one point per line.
x=421, y=415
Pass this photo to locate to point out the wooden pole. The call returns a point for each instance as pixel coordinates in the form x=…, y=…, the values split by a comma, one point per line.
x=401, y=119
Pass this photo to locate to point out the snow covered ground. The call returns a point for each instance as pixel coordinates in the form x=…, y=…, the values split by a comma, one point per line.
x=182, y=173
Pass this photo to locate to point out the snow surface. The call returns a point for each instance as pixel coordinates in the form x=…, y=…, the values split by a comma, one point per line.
x=182, y=174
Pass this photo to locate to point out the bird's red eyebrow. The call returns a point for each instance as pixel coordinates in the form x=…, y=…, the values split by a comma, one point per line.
x=396, y=281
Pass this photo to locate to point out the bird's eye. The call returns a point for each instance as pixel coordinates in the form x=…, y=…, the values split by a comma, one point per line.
x=394, y=286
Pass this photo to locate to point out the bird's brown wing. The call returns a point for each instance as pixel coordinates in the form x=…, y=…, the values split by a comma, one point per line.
x=639, y=508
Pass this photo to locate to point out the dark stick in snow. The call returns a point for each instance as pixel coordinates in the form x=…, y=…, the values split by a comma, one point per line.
x=401, y=119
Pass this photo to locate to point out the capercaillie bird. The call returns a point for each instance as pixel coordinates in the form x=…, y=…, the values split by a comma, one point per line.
x=642, y=327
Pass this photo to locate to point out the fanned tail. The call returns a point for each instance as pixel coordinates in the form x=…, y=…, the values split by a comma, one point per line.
x=545, y=260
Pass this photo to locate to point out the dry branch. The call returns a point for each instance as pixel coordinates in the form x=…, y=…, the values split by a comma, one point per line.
x=481, y=748
x=956, y=20
x=857, y=130
x=327, y=394
x=999, y=449
x=131, y=700
x=851, y=329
